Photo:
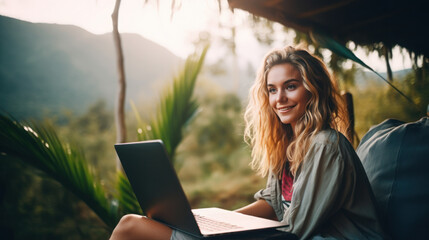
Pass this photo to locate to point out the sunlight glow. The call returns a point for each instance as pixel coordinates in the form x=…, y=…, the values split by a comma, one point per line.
x=177, y=32
x=150, y=20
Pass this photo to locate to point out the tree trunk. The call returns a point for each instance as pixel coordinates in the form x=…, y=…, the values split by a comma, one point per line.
x=121, y=134
x=387, y=56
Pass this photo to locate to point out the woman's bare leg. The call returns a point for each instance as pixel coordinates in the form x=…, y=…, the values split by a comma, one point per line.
x=134, y=226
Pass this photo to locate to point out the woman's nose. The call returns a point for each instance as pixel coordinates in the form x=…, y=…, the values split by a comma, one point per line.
x=281, y=97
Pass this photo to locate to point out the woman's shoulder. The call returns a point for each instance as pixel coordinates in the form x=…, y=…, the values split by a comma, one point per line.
x=324, y=152
x=327, y=136
x=330, y=138
x=327, y=147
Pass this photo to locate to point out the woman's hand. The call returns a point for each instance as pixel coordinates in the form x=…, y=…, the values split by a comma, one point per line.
x=259, y=208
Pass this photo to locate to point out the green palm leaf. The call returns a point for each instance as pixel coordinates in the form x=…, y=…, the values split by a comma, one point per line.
x=126, y=197
x=177, y=106
x=40, y=147
x=327, y=42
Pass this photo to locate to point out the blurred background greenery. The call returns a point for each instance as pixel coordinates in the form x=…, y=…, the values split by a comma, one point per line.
x=212, y=160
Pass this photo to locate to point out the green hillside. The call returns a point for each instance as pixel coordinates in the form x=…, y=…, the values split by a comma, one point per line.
x=46, y=68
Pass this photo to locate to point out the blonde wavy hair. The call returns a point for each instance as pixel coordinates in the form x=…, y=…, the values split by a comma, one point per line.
x=274, y=143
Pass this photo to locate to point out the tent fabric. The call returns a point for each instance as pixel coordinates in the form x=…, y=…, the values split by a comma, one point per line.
x=395, y=156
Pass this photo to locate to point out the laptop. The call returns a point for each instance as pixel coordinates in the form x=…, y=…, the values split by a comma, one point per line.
x=161, y=196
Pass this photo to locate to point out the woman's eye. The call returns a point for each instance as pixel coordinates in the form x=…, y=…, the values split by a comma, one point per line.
x=291, y=87
x=271, y=90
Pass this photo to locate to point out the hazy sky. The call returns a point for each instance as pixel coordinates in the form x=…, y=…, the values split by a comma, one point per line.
x=156, y=23
x=150, y=20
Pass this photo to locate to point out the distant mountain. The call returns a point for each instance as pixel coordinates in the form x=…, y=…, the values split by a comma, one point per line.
x=45, y=68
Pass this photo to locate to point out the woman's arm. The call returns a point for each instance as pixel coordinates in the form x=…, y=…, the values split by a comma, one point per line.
x=260, y=208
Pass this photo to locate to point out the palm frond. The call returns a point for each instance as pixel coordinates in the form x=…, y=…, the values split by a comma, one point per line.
x=40, y=147
x=341, y=50
x=177, y=106
x=126, y=198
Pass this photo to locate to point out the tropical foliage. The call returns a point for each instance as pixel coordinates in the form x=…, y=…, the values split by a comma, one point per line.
x=38, y=145
x=176, y=109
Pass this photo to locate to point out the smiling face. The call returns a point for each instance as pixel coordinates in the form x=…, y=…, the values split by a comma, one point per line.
x=287, y=95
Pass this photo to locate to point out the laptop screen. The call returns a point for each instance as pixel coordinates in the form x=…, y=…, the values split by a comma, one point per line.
x=156, y=185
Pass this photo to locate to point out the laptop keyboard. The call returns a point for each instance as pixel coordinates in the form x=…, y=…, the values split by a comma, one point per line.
x=211, y=225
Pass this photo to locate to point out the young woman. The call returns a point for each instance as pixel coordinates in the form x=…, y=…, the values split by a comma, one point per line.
x=316, y=182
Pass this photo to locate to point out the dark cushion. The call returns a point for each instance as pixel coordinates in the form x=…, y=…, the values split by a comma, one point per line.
x=395, y=156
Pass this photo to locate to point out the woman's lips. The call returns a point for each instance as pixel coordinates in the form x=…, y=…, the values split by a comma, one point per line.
x=284, y=109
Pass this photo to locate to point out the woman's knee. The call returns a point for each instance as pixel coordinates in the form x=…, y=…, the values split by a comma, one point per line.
x=130, y=220
x=132, y=226
x=127, y=225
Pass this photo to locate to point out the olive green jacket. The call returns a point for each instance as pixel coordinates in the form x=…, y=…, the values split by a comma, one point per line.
x=332, y=196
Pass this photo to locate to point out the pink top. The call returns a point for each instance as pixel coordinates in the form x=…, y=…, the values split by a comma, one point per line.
x=287, y=185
